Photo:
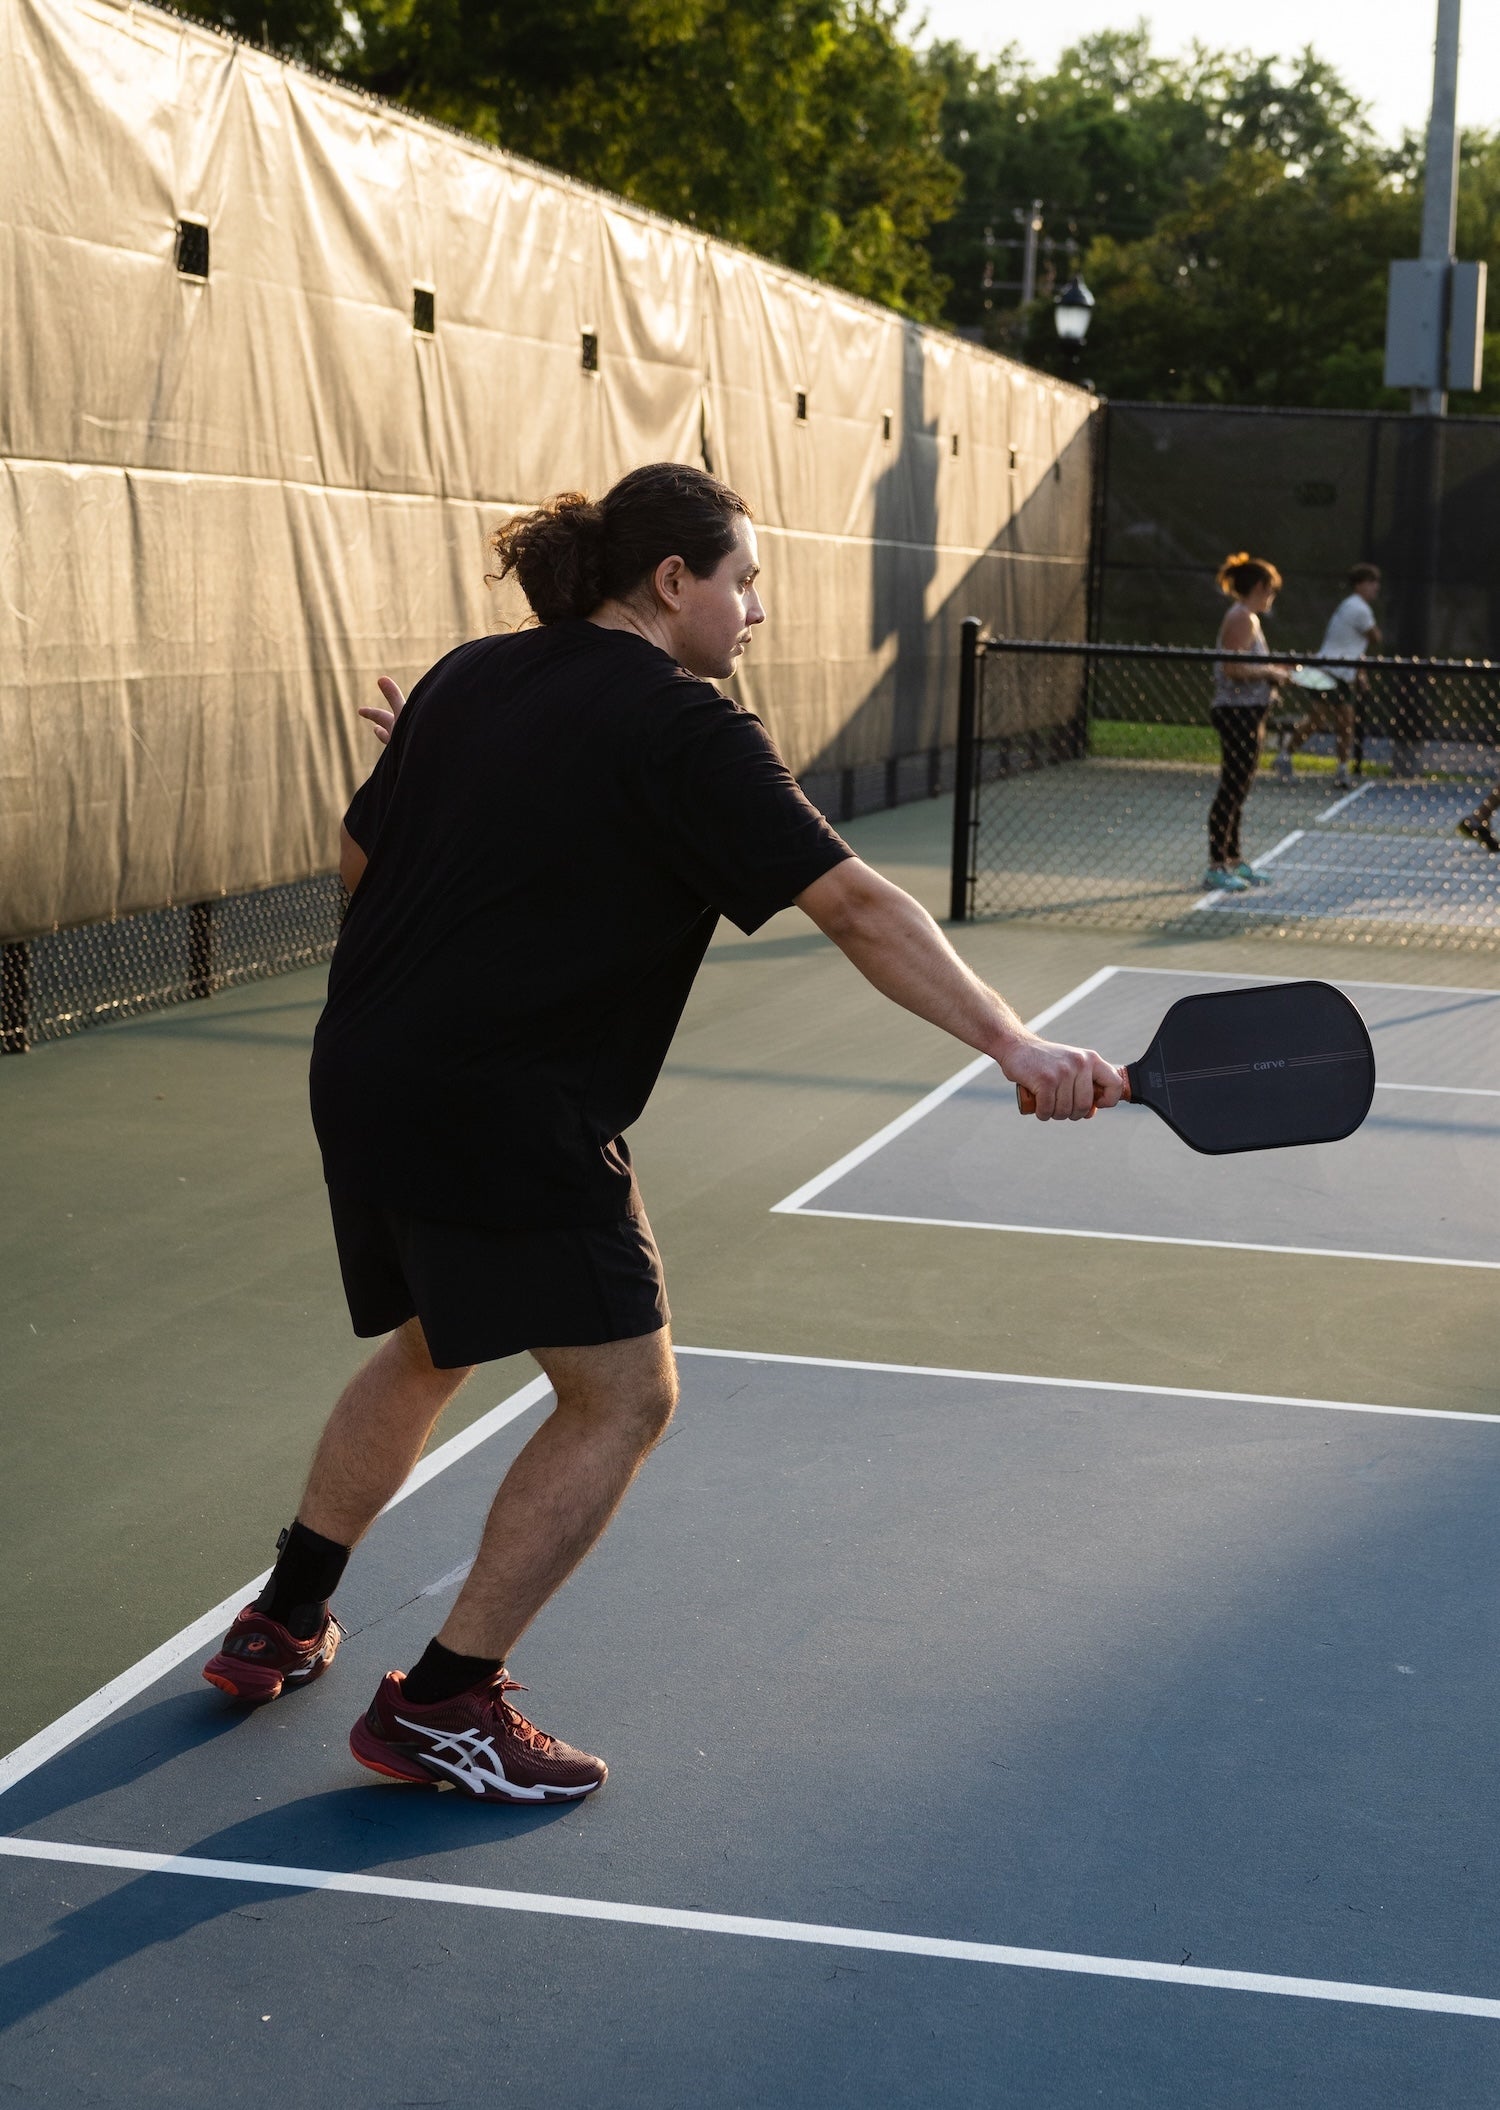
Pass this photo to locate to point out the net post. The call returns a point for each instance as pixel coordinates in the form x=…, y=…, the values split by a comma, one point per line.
x=963, y=768
x=15, y=998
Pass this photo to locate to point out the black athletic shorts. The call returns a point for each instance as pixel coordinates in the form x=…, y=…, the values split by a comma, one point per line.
x=481, y=1294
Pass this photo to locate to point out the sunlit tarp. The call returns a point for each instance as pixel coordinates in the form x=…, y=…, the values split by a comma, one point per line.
x=226, y=506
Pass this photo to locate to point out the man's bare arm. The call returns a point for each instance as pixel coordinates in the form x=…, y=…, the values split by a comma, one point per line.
x=899, y=949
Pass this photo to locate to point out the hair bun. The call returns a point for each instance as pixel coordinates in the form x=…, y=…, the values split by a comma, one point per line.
x=557, y=555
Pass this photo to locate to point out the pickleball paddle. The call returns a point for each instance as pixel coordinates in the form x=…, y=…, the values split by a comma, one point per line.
x=1255, y=1069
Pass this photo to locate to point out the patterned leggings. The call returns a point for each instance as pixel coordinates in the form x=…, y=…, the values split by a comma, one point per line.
x=1240, y=728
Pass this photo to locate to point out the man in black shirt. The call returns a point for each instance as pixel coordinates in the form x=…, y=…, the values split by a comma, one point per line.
x=537, y=864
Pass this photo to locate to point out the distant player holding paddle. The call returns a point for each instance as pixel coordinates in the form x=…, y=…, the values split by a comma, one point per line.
x=537, y=864
x=1328, y=691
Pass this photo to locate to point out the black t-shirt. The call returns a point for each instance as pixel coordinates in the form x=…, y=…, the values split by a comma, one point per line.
x=559, y=820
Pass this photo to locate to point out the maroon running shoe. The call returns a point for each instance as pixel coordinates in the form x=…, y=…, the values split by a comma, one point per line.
x=475, y=1740
x=260, y=1658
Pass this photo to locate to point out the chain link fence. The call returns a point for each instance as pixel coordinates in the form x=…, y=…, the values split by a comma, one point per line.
x=65, y=980
x=1086, y=774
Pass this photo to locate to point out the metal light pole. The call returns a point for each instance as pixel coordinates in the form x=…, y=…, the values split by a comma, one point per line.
x=1440, y=173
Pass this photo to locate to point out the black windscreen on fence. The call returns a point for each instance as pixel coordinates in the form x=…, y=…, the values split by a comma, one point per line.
x=1183, y=485
x=1086, y=787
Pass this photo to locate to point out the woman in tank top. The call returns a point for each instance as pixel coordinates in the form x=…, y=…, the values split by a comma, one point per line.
x=1242, y=699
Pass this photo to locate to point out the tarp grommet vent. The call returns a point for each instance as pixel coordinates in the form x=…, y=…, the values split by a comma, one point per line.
x=192, y=248
x=424, y=310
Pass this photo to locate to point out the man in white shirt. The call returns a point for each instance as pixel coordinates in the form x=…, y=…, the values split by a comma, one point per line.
x=1352, y=631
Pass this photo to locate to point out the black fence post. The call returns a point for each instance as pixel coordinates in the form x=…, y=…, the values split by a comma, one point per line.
x=201, y=979
x=15, y=998
x=963, y=768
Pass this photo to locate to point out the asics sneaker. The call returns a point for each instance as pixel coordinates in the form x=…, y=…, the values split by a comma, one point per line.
x=476, y=1741
x=260, y=1658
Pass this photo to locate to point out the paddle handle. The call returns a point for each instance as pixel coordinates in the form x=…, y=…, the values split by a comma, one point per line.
x=1027, y=1100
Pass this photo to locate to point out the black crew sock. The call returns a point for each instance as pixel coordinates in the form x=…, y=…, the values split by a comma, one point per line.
x=442, y=1674
x=305, y=1576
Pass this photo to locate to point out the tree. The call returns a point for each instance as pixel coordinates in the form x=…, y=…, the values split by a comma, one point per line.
x=1108, y=141
x=1259, y=288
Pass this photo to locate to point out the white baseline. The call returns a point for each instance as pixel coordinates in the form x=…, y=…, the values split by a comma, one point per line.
x=687, y=1921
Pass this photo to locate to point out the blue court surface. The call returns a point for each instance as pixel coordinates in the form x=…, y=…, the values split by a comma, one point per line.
x=1420, y=1181
x=1385, y=854
x=974, y=1739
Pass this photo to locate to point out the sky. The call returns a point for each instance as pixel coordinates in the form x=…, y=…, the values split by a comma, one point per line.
x=1383, y=48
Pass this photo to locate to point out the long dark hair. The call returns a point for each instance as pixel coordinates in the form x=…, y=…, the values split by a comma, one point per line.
x=574, y=552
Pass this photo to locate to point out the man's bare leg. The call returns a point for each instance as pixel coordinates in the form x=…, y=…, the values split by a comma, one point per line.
x=373, y=1439
x=375, y=1436
x=613, y=1402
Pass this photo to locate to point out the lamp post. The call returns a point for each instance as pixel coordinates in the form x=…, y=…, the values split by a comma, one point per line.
x=1073, y=311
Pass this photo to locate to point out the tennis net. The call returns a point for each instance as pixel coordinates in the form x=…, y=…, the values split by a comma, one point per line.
x=1086, y=774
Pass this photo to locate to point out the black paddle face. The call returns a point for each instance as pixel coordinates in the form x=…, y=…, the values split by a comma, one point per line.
x=1259, y=1069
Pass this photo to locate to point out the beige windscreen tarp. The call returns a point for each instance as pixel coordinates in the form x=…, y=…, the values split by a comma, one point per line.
x=225, y=506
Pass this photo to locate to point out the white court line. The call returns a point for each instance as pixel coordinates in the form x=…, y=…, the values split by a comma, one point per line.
x=1347, y=800
x=1258, y=864
x=685, y=1921
x=794, y=1201
x=1449, y=1091
x=1226, y=1245
x=1214, y=974
x=110, y=1698
x=1091, y=1384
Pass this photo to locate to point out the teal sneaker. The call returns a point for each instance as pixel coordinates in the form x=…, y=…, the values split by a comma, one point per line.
x=1251, y=877
x=1220, y=881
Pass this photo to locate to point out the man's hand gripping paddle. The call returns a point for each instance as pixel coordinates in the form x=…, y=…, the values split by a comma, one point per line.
x=1255, y=1069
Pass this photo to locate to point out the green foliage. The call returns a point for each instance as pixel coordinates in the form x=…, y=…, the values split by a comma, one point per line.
x=1266, y=285
x=1108, y=141
x=1258, y=288
x=1234, y=218
x=314, y=30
